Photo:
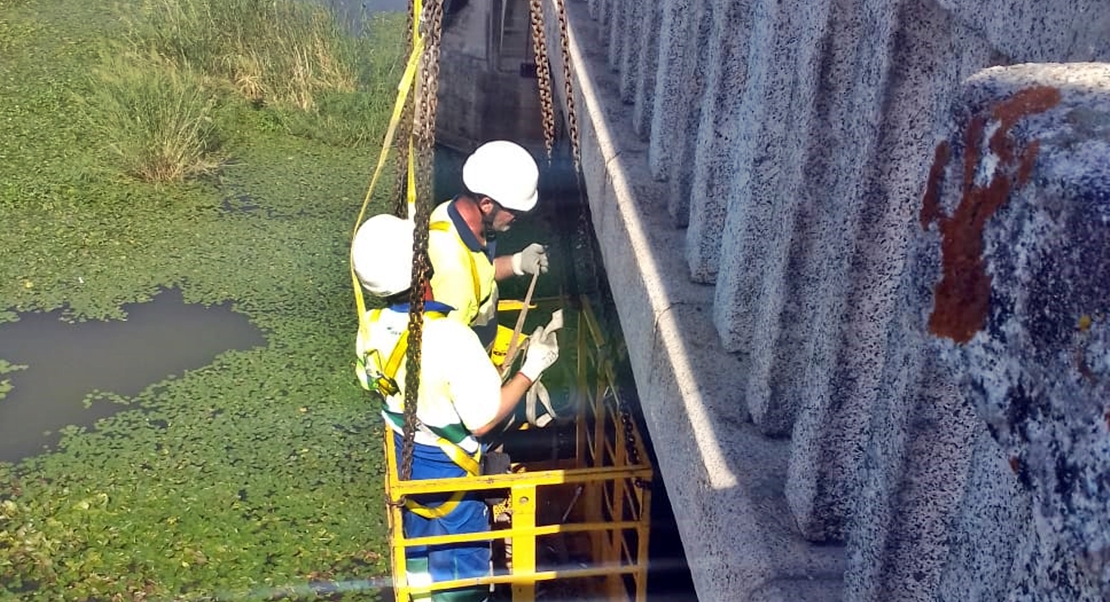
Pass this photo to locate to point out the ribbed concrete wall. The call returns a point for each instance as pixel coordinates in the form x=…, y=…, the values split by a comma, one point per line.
x=757, y=171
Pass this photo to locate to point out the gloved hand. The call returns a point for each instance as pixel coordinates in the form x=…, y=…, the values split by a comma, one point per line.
x=543, y=350
x=532, y=260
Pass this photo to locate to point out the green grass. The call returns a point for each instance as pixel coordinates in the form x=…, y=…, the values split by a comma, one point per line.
x=156, y=118
x=284, y=52
x=258, y=473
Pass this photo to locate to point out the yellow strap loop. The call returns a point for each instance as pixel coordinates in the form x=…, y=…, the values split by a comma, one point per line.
x=402, y=94
x=458, y=455
x=439, y=511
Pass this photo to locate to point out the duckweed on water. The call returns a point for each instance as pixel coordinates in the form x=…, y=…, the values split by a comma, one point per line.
x=251, y=478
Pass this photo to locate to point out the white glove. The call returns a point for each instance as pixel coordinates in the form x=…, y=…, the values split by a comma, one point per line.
x=532, y=260
x=543, y=350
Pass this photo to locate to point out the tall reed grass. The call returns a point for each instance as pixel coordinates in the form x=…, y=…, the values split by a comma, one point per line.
x=282, y=52
x=158, y=91
x=155, y=117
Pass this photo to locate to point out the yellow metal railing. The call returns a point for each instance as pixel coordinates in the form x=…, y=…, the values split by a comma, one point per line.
x=600, y=492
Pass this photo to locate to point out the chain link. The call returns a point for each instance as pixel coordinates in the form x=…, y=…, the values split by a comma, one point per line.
x=632, y=447
x=421, y=114
x=423, y=132
x=568, y=88
x=424, y=128
x=584, y=230
x=543, y=76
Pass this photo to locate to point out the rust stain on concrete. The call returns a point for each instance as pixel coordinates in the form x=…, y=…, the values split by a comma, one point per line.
x=962, y=297
x=930, y=205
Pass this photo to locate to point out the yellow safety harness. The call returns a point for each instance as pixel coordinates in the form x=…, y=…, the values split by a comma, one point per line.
x=383, y=381
x=500, y=345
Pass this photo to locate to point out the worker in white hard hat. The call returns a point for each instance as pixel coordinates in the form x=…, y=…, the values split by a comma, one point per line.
x=500, y=180
x=461, y=399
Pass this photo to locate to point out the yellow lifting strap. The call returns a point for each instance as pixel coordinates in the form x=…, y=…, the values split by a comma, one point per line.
x=457, y=454
x=403, y=89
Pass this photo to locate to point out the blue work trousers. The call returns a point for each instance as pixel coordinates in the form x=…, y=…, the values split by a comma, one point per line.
x=449, y=561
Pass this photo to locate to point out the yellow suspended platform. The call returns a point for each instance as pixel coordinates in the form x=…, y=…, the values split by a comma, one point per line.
x=597, y=504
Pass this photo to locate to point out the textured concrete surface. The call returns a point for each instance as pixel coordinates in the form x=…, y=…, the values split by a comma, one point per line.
x=843, y=368
x=849, y=113
x=781, y=342
x=719, y=119
x=737, y=532
x=647, y=49
x=1022, y=213
x=988, y=528
x=676, y=90
x=763, y=208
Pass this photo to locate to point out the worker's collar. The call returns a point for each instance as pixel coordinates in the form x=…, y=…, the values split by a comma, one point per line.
x=436, y=306
x=466, y=234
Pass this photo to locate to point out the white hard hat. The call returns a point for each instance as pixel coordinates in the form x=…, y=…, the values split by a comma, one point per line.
x=504, y=172
x=382, y=254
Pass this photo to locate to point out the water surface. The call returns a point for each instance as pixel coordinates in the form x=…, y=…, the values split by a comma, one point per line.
x=66, y=362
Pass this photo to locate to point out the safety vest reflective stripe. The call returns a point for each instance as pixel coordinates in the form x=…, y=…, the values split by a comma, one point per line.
x=457, y=454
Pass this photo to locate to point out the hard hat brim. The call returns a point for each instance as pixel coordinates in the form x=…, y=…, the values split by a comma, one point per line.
x=524, y=205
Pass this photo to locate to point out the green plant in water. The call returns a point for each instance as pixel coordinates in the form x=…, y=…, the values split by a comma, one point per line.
x=5, y=383
x=157, y=121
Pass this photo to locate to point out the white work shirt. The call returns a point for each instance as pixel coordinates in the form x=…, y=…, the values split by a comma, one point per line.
x=459, y=387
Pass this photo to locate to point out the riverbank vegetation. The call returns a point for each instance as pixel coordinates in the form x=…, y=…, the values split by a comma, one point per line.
x=166, y=144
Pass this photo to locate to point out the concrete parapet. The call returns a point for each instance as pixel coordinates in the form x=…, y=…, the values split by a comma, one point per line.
x=628, y=63
x=618, y=17
x=1018, y=214
x=737, y=530
x=846, y=332
x=677, y=92
x=777, y=113
x=647, y=49
x=855, y=71
x=1030, y=31
x=715, y=142
x=795, y=141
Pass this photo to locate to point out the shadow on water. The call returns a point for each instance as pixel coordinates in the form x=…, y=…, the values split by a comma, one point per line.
x=66, y=362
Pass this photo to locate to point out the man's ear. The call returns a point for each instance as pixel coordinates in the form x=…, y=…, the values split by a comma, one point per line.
x=486, y=206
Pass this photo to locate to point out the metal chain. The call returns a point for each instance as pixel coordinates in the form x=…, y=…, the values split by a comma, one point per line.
x=423, y=132
x=631, y=448
x=424, y=126
x=543, y=76
x=568, y=85
x=416, y=334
